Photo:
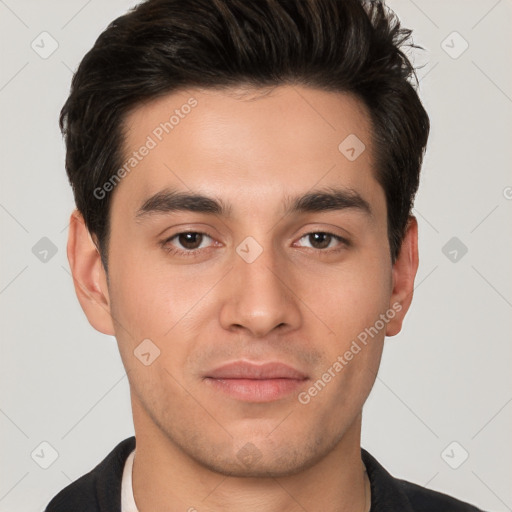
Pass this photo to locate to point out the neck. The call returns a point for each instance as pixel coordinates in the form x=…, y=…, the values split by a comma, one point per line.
x=166, y=479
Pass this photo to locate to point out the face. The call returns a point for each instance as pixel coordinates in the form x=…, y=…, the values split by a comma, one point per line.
x=294, y=295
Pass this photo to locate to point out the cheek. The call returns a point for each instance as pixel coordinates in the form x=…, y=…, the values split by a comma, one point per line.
x=141, y=287
x=351, y=303
x=153, y=299
x=349, y=298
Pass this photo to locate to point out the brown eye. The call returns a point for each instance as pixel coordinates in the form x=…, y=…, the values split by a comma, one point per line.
x=190, y=240
x=187, y=243
x=322, y=240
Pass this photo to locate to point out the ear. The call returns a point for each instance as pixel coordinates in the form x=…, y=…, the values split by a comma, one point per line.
x=404, y=272
x=89, y=276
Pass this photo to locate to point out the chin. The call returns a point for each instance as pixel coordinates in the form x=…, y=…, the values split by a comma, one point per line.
x=261, y=458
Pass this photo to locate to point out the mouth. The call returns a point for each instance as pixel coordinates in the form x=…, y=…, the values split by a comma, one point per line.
x=250, y=382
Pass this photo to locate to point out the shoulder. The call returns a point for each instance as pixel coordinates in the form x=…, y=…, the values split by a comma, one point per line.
x=78, y=496
x=99, y=489
x=390, y=493
x=427, y=500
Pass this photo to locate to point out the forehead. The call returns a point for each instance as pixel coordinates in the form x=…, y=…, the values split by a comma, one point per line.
x=248, y=143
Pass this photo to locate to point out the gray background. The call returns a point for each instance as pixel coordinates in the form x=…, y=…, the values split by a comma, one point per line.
x=446, y=378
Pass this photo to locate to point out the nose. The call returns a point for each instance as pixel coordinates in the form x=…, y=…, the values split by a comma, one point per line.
x=259, y=296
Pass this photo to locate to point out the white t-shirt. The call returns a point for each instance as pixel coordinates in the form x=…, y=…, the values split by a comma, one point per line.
x=127, y=499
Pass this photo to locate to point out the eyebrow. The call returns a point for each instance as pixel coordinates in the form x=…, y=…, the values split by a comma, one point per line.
x=326, y=199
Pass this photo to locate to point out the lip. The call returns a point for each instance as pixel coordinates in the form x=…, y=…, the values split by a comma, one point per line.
x=248, y=370
x=251, y=382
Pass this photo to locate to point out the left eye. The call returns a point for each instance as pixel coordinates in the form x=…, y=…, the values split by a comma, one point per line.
x=322, y=240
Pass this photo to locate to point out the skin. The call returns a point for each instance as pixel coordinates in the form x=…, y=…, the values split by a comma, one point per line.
x=296, y=303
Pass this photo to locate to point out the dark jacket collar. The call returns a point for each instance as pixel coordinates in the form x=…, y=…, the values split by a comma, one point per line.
x=386, y=491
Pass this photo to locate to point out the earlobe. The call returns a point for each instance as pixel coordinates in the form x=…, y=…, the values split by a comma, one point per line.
x=89, y=276
x=404, y=272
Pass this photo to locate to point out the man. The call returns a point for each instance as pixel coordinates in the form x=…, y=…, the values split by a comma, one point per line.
x=244, y=174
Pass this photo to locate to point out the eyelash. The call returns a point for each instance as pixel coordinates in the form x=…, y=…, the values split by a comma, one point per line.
x=193, y=253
